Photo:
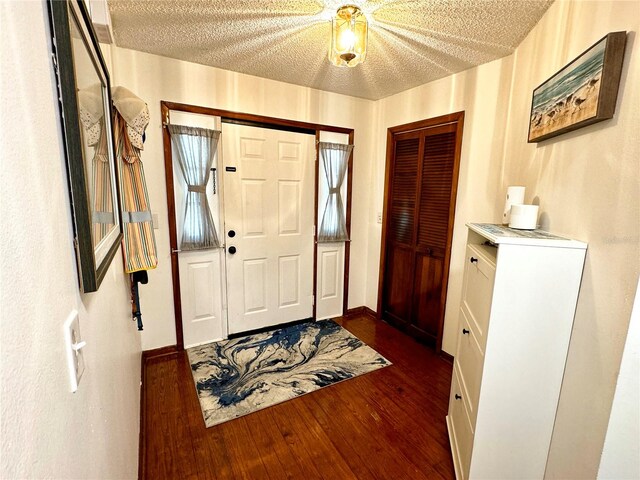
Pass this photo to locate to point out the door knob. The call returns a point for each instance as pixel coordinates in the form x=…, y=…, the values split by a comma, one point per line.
x=232, y=233
x=231, y=249
x=458, y=397
x=473, y=260
x=465, y=331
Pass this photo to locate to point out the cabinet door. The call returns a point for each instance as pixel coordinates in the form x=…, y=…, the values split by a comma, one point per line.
x=477, y=291
x=461, y=430
x=469, y=360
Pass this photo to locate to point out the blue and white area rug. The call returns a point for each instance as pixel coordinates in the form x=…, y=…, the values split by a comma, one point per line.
x=240, y=376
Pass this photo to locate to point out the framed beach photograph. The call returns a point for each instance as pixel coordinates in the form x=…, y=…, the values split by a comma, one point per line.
x=85, y=108
x=583, y=92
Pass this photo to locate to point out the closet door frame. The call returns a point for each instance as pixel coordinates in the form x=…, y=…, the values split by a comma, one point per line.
x=392, y=134
x=249, y=119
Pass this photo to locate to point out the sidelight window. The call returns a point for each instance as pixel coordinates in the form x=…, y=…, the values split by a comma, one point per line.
x=194, y=152
x=335, y=159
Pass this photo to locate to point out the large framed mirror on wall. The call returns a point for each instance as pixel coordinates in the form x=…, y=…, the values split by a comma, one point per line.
x=85, y=105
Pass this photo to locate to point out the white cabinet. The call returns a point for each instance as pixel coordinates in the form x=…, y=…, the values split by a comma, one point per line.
x=518, y=302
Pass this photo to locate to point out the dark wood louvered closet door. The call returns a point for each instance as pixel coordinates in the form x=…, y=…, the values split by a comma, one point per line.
x=421, y=187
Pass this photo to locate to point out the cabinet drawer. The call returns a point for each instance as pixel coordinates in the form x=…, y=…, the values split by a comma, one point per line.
x=479, y=274
x=470, y=359
x=462, y=434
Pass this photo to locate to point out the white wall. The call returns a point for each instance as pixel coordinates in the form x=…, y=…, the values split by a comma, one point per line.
x=587, y=183
x=46, y=430
x=156, y=78
x=621, y=453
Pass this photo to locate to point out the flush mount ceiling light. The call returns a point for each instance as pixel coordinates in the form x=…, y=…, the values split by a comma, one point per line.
x=348, y=37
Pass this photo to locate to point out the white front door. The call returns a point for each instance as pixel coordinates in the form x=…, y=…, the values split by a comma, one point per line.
x=268, y=199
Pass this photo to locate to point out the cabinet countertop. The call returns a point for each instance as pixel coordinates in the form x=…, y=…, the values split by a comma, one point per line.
x=499, y=234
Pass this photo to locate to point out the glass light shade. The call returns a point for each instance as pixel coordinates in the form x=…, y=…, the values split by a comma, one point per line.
x=348, y=37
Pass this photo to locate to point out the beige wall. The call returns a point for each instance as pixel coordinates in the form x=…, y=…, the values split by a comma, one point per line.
x=156, y=78
x=47, y=431
x=587, y=185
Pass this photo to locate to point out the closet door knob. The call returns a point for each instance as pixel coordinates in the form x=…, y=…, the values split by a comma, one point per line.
x=232, y=250
x=473, y=260
x=465, y=331
x=458, y=397
x=231, y=233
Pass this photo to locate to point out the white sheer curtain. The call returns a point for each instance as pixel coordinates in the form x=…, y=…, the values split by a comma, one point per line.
x=335, y=158
x=195, y=150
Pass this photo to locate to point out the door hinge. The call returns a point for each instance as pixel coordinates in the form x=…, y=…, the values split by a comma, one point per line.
x=313, y=300
x=314, y=231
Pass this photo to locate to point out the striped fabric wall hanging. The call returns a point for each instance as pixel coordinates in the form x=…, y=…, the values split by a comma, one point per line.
x=139, y=244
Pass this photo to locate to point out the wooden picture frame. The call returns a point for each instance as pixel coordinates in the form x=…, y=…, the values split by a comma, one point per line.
x=581, y=93
x=85, y=107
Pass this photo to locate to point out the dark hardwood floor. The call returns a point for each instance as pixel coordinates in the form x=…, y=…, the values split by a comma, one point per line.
x=388, y=424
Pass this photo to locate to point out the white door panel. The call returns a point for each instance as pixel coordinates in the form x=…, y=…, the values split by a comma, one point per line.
x=269, y=205
x=330, y=280
x=330, y=271
x=201, y=296
x=202, y=288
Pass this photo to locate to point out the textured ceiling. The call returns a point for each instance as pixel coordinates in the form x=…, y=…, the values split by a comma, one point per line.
x=411, y=42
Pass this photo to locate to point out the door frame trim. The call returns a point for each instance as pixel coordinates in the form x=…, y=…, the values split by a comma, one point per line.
x=456, y=117
x=261, y=121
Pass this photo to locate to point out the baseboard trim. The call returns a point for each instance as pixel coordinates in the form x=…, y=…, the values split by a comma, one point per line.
x=371, y=313
x=447, y=356
x=352, y=312
x=362, y=310
x=159, y=352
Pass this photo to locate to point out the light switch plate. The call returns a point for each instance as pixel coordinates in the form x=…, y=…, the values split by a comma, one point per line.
x=73, y=347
